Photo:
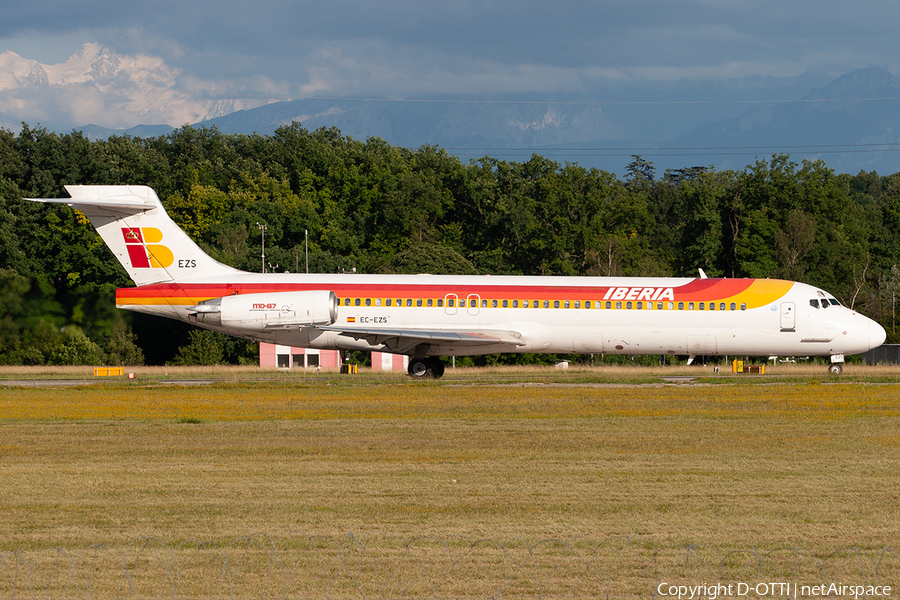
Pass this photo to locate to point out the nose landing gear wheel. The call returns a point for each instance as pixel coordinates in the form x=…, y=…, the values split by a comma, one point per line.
x=836, y=369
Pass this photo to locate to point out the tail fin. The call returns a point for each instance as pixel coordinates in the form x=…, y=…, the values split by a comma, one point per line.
x=135, y=226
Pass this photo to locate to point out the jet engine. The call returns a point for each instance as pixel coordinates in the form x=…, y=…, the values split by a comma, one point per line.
x=274, y=310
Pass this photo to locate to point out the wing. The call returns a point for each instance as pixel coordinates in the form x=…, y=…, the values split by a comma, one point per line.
x=403, y=341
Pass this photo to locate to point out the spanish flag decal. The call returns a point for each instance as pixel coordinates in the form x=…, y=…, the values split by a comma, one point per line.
x=351, y=319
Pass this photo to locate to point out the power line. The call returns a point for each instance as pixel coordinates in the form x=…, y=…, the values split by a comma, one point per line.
x=686, y=151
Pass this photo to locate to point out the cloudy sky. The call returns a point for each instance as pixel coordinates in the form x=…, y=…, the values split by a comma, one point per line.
x=404, y=48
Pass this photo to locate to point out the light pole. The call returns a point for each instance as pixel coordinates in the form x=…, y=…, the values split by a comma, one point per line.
x=306, y=240
x=262, y=228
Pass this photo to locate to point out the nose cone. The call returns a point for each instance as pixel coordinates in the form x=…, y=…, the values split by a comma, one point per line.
x=877, y=335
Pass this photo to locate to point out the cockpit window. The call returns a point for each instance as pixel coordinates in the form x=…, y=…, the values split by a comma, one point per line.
x=814, y=303
x=834, y=302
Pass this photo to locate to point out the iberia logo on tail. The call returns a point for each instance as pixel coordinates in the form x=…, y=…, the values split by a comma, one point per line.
x=144, y=248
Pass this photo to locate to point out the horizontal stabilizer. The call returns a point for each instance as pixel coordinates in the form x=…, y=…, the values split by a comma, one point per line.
x=106, y=197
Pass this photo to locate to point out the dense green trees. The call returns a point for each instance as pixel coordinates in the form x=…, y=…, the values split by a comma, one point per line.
x=378, y=209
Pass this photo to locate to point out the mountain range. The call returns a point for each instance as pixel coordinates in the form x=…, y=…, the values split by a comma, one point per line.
x=851, y=121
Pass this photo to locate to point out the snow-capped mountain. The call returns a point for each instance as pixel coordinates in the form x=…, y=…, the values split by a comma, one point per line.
x=96, y=85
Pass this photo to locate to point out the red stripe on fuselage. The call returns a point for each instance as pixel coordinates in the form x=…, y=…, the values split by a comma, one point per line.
x=698, y=289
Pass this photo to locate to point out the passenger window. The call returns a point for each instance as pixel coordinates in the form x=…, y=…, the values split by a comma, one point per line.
x=556, y=304
x=524, y=303
x=702, y=306
x=546, y=304
x=430, y=302
x=515, y=304
x=721, y=306
x=566, y=304
x=506, y=304
x=732, y=306
x=587, y=303
x=712, y=306
x=387, y=302
x=619, y=305
x=451, y=302
x=409, y=301
x=578, y=304
x=670, y=306
x=357, y=302
x=484, y=304
x=440, y=302
x=743, y=306
x=640, y=305
x=493, y=304
x=690, y=306
x=628, y=305
x=681, y=306
x=377, y=301
x=608, y=304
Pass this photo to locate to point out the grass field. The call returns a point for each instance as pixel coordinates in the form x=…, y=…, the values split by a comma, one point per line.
x=796, y=459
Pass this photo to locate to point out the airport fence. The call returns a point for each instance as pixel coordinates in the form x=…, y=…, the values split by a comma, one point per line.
x=294, y=565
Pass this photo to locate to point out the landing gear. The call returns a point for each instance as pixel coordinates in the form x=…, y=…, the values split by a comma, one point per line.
x=426, y=368
x=835, y=368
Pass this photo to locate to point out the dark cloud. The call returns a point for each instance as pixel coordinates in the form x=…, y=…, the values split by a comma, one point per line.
x=409, y=46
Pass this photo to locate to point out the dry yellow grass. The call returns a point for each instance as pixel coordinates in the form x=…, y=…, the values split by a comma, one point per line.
x=813, y=465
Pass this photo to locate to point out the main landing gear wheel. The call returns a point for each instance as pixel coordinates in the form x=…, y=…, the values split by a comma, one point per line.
x=425, y=368
x=835, y=369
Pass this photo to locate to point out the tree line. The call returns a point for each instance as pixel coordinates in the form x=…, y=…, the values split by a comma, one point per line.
x=375, y=208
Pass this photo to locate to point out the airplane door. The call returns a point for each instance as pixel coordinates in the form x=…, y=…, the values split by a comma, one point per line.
x=472, y=305
x=788, y=316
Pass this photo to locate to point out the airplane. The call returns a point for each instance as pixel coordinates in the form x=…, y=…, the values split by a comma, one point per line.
x=429, y=316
